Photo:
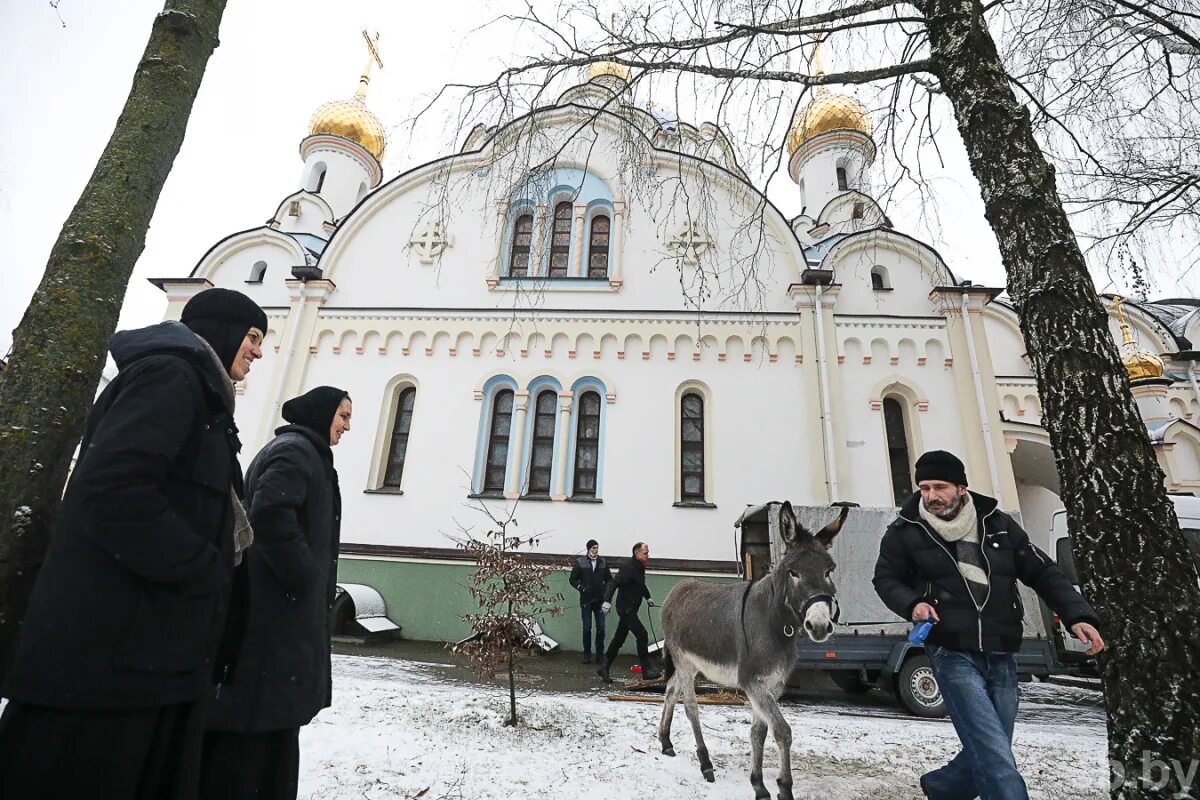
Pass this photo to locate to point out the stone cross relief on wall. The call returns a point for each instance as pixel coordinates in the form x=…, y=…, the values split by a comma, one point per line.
x=429, y=241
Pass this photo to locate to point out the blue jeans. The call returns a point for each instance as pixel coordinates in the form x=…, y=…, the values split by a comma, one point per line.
x=980, y=692
x=586, y=611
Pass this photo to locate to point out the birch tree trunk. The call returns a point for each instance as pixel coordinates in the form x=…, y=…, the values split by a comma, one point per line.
x=58, y=350
x=1133, y=560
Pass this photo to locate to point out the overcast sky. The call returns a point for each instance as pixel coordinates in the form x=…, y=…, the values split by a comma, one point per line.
x=66, y=73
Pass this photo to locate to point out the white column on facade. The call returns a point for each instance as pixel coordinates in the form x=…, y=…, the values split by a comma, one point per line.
x=577, y=261
x=493, y=275
x=516, y=445
x=1192, y=381
x=539, y=240
x=826, y=404
x=989, y=450
x=179, y=291
x=564, y=436
x=616, y=238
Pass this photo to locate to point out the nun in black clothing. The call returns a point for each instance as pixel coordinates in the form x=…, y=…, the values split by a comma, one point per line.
x=282, y=675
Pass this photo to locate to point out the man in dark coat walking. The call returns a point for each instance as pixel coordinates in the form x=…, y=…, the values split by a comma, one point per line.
x=590, y=577
x=117, y=650
x=630, y=589
x=951, y=556
x=282, y=675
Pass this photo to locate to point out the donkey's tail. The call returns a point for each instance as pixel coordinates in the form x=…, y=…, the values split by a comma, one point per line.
x=668, y=663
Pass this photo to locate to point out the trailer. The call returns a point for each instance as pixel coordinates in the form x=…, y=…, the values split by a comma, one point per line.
x=870, y=644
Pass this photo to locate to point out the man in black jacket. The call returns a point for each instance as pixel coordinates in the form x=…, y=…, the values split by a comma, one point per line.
x=123, y=631
x=590, y=577
x=953, y=557
x=630, y=588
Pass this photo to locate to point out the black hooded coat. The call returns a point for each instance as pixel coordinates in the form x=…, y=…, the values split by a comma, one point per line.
x=129, y=606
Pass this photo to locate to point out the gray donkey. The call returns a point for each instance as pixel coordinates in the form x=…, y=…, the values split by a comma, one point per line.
x=741, y=635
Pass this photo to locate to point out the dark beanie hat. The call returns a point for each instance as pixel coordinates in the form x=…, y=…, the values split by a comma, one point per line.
x=223, y=317
x=938, y=465
x=591, y=543
x=315, y=409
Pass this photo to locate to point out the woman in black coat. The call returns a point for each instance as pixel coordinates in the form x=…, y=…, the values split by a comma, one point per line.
x=282, y=676
x=118, y=647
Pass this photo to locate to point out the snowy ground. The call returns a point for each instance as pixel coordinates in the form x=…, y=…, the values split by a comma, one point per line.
x=401, y=729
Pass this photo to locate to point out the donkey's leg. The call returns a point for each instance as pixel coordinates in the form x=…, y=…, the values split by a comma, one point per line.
x=758, y=735
x=668, y=712
x=783, y=740
x=693, y=713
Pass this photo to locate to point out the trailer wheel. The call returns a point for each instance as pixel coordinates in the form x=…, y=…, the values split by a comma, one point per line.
x=918, y=690
x=849, y=682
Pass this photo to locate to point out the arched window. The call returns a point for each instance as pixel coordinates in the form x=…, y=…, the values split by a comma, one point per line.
x=518, y=262
x=897, y=445
x=587, y=445
x=497, y=456
x=598, y=247
x=879, y=278
x=395, y=463
x=541, y=456
x=316, y=178
x=257, y=272
x=560, y=243
x=691, y=448
x=841, y=178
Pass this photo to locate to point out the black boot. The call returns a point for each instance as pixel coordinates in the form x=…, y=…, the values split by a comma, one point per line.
x=587, y=658
x=603, y=671
x=649, y=671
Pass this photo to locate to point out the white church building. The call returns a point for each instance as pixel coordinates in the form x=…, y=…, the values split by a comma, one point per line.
x=592, y=315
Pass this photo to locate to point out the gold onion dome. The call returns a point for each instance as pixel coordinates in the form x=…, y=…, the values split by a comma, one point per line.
x=600, y=68
x=1139, y=364
x=828, y=112
x=351, y=119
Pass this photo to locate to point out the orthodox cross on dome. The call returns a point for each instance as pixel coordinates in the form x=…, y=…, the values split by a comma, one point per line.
x=372, y=59
x=689, y=242
x=430, y=241
x=1116, y=304
x=817, y=64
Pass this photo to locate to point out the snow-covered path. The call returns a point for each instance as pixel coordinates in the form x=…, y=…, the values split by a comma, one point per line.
x=399, y=728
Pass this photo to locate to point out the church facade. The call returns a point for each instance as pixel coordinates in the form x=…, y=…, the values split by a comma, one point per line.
x=591, y=319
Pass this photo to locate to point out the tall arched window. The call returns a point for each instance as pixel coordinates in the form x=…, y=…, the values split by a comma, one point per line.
x=316, y=178
x=897, y=445
x=598, y=247
x=541, y=456
x=518, y=262
x=497, y=456
x=841, y=178
x=691, y=448
x=560, y=243
x=587, y=445
x=399, y=446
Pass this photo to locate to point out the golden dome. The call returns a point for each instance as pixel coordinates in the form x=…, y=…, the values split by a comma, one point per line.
x=599, y=68
x=828, y=112
x=351, y=119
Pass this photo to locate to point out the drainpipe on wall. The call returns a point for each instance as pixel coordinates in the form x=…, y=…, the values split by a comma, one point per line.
x=826, y=405
x=993, y=472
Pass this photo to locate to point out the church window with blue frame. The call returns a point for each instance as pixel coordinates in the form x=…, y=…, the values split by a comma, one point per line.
x=587, y=445
x=560, y=243
x=518, y=262
x=691, y=450
x=541, y=456
x=598, y=247
x=399, y=446
x=496, y=465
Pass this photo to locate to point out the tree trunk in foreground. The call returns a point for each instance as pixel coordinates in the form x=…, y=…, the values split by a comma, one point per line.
x=59, y=348
x=1134, y=562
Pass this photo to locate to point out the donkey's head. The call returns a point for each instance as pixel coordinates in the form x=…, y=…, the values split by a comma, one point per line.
x=805, y=573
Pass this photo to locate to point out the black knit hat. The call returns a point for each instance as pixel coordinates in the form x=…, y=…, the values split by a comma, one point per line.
x=938, y=465
x=592, y=543
x=223, y=317
x=315, y=409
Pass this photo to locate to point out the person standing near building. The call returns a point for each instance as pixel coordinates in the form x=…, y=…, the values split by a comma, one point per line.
x=951, y=556
x=590, y=577
x=282, y=676
x=630, y=589
x=124, y=628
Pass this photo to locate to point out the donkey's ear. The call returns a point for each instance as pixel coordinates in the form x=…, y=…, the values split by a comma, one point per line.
x=826, y=534
x=788, y=528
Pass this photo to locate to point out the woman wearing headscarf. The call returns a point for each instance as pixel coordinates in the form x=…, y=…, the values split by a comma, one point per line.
x=282, y=675
x=117, y=649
